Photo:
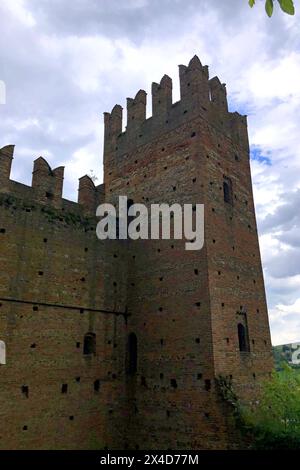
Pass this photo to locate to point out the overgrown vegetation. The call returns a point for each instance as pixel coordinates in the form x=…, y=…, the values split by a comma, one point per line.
x=286, y=5
x=273, y=420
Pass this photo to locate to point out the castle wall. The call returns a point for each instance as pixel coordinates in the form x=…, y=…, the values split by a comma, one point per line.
x=58, y=282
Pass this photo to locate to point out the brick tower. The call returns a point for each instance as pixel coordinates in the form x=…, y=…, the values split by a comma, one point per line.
x=195, y=314
x=118, y=343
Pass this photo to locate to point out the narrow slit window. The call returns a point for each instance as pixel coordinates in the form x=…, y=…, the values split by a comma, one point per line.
x=132, y=355
x=243, y=338
x=227, y=191
x=97, y=386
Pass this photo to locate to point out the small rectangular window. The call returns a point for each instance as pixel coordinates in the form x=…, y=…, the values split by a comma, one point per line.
x=207, y=385
x=25, y=391
x=97, y=385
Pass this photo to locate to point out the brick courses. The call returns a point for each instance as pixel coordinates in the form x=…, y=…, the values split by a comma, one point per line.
x=58, y=282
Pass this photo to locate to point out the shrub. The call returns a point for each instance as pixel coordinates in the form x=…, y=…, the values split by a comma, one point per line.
x=274, y=419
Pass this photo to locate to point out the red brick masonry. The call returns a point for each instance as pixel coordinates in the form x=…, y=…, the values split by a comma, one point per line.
x=68, y=301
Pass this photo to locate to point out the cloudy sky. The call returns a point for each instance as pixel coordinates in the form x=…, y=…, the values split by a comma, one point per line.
x=65, y=63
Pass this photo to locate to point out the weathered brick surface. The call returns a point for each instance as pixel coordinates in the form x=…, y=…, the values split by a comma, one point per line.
x=183, y=306
x=52, y=257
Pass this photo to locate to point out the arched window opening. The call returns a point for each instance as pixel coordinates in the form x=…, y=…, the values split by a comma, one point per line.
x=227, y=190
x=131, y=359
x=2, y=353
x=89, y=345
x=243, y=338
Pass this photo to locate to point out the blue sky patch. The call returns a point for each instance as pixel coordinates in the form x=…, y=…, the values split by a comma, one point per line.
x=257, y=155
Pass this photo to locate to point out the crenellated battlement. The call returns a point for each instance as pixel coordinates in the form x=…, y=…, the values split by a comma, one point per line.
x=113, y=125
x=199, y=96
x=47, y=184
x=6, y=158
x=218, y=93
x=136, y=111
x=162, y=98
x=194, y=85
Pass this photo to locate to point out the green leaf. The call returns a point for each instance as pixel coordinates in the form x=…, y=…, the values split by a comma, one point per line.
x=269, y=7
x=287, y=6
x=251, y=3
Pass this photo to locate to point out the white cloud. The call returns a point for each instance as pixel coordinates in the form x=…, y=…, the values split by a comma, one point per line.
x=286, y=323
x=275, y=78
x=18, y=10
